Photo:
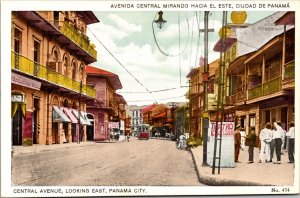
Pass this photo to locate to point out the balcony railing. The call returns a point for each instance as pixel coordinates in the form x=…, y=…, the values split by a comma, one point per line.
x=80, y=39
x=29, y=67
x=237, y=97
x=267, y=88
x=289, y=70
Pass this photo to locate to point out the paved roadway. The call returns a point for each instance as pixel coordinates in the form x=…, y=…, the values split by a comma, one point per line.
x=138, y=163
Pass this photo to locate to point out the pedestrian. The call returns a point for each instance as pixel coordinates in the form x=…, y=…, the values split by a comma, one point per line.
x=283, y=136
x=181, y=141
x=128, y=136
x=277, y=135
x=252, y=139
x=243, y=138
x=291, y=148
x=265, y=137
x=237, y=143
x=272, y=145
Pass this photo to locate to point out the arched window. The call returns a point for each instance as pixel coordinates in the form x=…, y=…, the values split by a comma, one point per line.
x=74, y=70
x=65, y=65
x=81, y=70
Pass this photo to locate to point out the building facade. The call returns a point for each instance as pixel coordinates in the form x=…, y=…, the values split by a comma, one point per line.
x=108, y=107
x=50, y=51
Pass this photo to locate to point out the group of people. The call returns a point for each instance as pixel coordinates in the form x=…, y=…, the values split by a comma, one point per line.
x=271, y=138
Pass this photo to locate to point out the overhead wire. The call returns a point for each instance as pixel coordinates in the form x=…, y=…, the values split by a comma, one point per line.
x=190, y=66
x=121, y=64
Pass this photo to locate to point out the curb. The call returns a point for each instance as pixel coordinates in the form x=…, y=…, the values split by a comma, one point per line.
x=211, y=181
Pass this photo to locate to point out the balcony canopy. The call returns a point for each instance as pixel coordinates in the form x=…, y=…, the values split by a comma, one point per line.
x=38, y=22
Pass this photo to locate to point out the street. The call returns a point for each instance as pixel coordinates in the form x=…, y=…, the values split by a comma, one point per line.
x=155, y=162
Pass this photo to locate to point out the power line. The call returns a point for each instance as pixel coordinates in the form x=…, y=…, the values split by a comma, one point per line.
x=158, y=99
x=154, y=91
x=121, y=64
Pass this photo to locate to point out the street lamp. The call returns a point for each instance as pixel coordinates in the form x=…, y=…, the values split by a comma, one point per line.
x=160, y=21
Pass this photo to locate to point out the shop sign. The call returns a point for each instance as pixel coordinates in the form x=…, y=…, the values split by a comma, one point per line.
x=24, y=81
x=17, y=98
x=227, y=144
x=229, y=117
x=113, y=125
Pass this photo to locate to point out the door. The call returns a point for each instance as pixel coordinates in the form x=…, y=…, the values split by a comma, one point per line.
x=35, y=121
x=55, y=133
x=17, y=128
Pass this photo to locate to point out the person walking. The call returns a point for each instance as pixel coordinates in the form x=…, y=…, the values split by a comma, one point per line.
x=237, y=143
x=128, y=137
x=243, y=138
x=265, y=137
x=272, y=145
x=252, y=139
x=277, y=135
x=291, y=148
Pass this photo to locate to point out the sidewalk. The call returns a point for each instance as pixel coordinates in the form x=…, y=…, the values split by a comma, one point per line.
x=36, y=148
x=246, y=174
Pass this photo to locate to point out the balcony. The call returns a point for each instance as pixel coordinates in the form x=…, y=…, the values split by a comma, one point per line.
x=31, y=68
x=77, y=37
x=289, y=75
x=235, y=98
x=267, y=88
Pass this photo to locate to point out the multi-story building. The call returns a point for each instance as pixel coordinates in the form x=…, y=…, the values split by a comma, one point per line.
x=136, y=117
x=260, y=77
x=108, y=106
x=50, y=51
x=181, y=125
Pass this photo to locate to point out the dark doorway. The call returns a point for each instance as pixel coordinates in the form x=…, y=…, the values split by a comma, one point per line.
x=54, y=133
x=17, y=128
x=35, y=121
x=90, y=131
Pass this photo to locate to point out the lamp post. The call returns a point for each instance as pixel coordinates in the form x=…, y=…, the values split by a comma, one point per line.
x=160, y=21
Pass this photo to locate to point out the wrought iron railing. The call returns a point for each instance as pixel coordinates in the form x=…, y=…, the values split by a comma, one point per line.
x=289, y=70
x=32, y=68
x=267, y=88
x=77, y=37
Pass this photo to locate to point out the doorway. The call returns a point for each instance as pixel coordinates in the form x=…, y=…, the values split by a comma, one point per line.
x=17, y=127
x=35, y=121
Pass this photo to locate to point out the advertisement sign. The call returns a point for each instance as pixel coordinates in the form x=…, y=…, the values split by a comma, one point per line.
x=227, y=144
x=113, y=125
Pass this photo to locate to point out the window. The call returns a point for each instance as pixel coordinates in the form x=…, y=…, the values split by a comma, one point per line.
x=74, y=71
x=81, y=72
x=17, y=40
x=65, y=67
x=36, y=51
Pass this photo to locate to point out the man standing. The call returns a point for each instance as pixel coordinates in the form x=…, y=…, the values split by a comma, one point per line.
x=252, y=139
x=265, y=137
x=277, y=135
x=291, y=148
x=237, y=143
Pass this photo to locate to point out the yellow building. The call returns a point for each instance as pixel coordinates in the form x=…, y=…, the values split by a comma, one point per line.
x=50, y=51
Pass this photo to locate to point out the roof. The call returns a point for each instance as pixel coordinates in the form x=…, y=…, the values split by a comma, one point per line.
x=111, y=77
x=120, y=98
x=287, y=19
x=88, y=16
x=193, y=71
x=161, y=115
x=146, y=109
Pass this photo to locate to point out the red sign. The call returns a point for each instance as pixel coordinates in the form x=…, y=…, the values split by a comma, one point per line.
x=227, y=128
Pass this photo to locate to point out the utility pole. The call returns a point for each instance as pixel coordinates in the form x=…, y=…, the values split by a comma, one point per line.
x=205, y=75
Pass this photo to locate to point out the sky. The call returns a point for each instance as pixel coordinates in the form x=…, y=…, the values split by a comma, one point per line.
x=130, y=38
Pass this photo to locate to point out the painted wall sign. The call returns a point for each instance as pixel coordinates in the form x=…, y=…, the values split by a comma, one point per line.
x=113, y=125
x=24, y=81
x=227, y=145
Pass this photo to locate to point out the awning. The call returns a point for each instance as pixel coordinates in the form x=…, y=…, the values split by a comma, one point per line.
x=82, y=119
x=84, y=115
x=59, y=116
x=69, y=113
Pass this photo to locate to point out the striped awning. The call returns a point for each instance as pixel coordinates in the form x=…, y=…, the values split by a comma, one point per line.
x=59, y=116
x=69, y=113
x=82, y=119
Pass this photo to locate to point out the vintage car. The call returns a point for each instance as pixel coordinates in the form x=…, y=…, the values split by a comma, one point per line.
x=143, y=131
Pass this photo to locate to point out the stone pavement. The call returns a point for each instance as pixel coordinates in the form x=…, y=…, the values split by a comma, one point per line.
x=245, y=174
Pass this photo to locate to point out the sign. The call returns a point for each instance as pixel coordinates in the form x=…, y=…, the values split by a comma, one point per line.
x=122, y=125
x=17, y=98
x=227, y=144
x=24, y=81
x=212, y=102
x=113, y=125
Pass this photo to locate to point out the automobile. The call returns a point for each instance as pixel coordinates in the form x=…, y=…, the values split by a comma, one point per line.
x=143, y=131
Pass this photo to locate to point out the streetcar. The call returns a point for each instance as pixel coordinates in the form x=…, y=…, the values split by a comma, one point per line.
x=143, y=131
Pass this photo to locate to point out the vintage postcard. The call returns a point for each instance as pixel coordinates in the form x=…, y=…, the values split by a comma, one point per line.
x=149, y=98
